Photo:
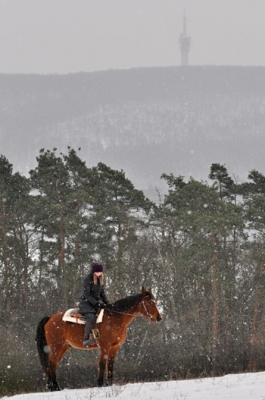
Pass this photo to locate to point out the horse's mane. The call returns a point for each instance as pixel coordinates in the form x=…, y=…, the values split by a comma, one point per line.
x=124, y=304
x=128, y=302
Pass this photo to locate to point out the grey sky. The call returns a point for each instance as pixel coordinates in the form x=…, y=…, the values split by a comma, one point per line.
x=62, y=36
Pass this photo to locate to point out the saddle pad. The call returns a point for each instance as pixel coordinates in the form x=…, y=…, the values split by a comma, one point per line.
x=72, y=315
x=100, y=316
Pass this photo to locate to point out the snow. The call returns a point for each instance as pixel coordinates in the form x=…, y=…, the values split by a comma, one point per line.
x=233, y=387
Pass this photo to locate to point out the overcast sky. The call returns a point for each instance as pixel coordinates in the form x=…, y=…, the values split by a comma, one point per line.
x=62, y=36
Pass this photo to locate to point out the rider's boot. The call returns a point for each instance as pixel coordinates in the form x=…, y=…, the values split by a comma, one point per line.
x=90, y=341
x=88, y=337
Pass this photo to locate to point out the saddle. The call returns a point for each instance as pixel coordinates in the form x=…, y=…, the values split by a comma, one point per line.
x=72, y=315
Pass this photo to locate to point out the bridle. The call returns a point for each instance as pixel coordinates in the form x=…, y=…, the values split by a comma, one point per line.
x=148, y=315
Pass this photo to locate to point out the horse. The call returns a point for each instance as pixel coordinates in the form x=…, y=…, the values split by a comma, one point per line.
x=55, y=336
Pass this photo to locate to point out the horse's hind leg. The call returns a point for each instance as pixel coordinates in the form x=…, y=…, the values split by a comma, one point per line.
x=55, y=356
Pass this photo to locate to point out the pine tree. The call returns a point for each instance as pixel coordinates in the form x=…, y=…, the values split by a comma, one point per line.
x=196, y=223
x=254, y=206
x=120, y=213
x=14, y=238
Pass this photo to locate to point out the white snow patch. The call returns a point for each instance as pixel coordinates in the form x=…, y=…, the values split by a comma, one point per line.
x=248, y=386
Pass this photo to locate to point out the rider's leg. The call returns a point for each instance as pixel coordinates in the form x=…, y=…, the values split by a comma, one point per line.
x=88, y=337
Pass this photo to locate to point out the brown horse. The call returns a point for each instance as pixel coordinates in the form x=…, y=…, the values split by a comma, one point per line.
x=54, y=336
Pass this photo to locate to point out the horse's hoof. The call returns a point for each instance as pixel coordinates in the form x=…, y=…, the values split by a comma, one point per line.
x=53, y=386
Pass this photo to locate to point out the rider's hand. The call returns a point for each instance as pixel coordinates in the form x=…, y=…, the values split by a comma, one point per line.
x=102, y=305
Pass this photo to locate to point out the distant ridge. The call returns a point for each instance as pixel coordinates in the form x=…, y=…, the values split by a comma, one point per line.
x=146, y=121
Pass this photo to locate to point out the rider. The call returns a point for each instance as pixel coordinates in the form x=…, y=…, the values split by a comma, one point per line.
x=90, y=300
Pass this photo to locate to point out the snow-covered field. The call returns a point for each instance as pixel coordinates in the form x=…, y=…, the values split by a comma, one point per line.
x=232, y=387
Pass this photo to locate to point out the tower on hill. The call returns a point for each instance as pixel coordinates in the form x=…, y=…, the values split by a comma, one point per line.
x=184, y=41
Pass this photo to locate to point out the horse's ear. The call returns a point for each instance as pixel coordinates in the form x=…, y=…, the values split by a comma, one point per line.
x=143, y=291
x=150, y=290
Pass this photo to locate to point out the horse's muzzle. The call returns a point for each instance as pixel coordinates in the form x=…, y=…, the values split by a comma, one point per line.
x=159, y=318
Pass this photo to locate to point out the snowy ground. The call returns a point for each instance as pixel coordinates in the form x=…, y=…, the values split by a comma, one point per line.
x=232, y=387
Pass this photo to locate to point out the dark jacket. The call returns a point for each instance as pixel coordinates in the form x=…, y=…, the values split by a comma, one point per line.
x=92, y=294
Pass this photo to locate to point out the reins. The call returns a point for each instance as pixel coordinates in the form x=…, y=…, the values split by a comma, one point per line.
x=133, y=315
x=120, y=312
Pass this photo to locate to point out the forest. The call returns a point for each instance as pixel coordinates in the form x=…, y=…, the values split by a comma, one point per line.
x=200, y=247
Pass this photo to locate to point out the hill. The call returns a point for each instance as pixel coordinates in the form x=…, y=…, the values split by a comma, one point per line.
x=145, y=121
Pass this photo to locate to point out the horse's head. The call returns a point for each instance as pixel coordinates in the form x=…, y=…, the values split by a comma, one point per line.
x=148, y=306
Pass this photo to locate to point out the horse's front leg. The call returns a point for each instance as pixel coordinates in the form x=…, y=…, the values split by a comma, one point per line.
x=102, y=366
x=110, y=364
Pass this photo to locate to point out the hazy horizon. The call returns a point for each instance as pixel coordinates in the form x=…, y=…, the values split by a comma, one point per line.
x=67, y=36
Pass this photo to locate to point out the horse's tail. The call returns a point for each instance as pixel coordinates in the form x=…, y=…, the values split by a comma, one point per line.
x=42, y=346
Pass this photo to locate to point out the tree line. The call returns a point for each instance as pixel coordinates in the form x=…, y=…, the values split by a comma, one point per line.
x=200, y=248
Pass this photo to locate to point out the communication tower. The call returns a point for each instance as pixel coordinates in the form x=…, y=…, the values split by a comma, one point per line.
x=184, y=41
